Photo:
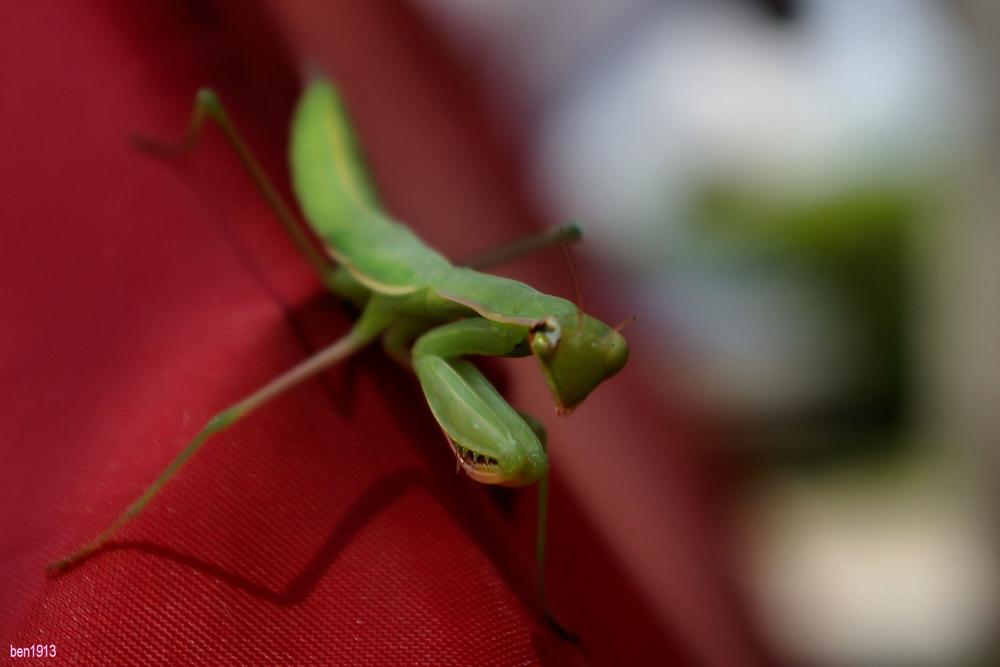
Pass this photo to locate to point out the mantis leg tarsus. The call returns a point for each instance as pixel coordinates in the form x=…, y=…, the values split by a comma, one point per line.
x=547, y=616
x=217, y=423
x=541, y=534
x=206, y=101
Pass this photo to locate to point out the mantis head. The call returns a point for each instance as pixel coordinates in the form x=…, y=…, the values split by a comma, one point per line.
x=576, y=353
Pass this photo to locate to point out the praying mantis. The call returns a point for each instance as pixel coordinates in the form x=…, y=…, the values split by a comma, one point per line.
x=429, y=314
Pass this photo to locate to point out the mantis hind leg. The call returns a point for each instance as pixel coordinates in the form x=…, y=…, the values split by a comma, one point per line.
x=372, y=322
x=208, y=105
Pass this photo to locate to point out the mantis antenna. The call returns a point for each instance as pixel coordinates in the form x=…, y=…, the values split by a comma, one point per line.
x=576, y=285
x=621, y=327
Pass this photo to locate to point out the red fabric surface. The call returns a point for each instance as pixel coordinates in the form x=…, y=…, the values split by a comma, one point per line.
x=140, y=296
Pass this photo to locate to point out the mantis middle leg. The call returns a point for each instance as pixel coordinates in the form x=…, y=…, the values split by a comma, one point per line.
x=525, y=246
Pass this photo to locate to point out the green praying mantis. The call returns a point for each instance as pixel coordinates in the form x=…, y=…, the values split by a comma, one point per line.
x=430, y=314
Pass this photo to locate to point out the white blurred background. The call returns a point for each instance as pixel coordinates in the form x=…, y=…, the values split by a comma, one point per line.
x=803, y=197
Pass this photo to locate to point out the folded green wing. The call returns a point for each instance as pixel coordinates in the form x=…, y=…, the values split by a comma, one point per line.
x=339, y=200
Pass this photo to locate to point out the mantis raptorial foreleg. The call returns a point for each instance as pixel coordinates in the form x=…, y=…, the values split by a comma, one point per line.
x=398, y=339
x=495, y=441
x=470, y=410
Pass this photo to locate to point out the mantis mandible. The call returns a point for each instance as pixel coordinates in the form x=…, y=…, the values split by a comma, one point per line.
x=429, y=314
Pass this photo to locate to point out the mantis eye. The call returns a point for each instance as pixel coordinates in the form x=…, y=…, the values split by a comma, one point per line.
x=545, y=335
